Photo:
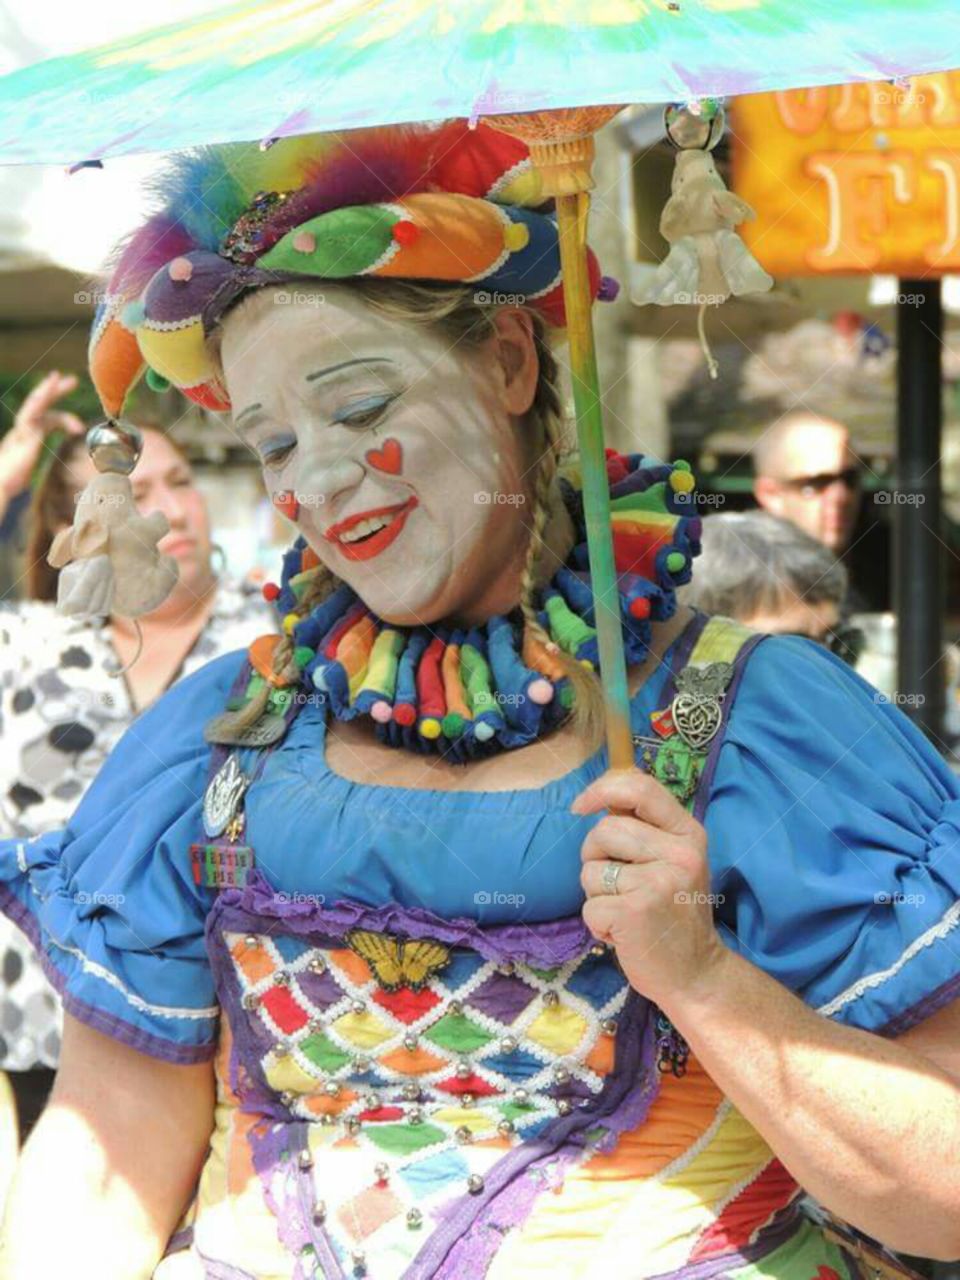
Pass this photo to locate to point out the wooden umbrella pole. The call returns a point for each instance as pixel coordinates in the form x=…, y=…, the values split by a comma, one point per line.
x=572, y=212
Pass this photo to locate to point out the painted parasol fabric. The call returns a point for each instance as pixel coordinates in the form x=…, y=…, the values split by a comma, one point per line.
x=262, y=70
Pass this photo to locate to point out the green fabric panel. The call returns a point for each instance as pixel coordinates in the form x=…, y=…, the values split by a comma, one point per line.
x=348, y=242
x=457, y=1033
x=404, y=1139
x=323, y=1053
x=513, y=1110
x=651, y=499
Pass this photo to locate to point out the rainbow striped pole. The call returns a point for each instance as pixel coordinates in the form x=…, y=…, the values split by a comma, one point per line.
x=561, y=146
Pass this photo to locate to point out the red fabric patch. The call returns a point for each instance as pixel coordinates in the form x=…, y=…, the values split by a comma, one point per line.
x=407, y=1005
x=283, y=1009
x=382, y=1113
x=747, y=1212
x=472, y=1084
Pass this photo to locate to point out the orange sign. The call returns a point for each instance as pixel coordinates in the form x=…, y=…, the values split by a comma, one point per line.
x=853, y=178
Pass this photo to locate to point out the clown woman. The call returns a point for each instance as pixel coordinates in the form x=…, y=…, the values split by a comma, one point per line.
x=370, y=967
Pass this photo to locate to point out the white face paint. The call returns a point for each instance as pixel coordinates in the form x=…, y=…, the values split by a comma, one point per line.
x=396, y=444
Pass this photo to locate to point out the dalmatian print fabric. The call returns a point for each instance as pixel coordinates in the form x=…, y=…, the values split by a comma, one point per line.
x=61, y=714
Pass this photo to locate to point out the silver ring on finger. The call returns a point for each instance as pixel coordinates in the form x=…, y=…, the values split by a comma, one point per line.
x=610, y=876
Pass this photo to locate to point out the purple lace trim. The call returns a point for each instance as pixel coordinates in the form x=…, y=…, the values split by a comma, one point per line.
x=543, y=945
x=275, y=1152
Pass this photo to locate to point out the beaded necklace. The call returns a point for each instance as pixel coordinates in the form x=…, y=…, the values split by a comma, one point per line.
x=464, y=693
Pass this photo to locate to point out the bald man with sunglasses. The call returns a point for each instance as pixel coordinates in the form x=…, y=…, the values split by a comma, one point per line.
x=807, y=473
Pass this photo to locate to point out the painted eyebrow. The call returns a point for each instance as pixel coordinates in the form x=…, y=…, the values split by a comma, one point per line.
x=334, y=368
x=312, y=377
x=251, y=408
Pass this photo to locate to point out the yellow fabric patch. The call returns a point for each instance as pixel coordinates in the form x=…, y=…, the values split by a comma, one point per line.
x=364, y=1030
x=179, y=355
x=558, y=1029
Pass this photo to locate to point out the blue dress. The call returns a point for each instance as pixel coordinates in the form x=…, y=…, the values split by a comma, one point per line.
x=833, y=832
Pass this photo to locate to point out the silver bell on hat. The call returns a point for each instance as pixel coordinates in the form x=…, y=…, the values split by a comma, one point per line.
x=115, y=446
x=695, y=126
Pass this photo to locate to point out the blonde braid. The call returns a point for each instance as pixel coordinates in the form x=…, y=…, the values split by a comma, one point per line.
x=320, y=584
x=588, y=706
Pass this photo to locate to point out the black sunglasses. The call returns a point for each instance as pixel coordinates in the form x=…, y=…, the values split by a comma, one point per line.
x=810, y=485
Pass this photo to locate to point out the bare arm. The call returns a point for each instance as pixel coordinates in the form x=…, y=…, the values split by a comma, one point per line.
x=111, y=1164
x=868, y=1126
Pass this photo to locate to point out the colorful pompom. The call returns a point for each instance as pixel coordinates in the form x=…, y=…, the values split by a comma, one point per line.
x=516, y=236
x=381, y=711
x=180, y=269
x=270, y=591
x=405, y=713
x=540, y=692
x=609, y=289
x=430, y=727
x=676, y=561
x=156, y=381
x=682, y=481
x=640, y=608
x=131, y=316
x=304, y=242
x=405, y=232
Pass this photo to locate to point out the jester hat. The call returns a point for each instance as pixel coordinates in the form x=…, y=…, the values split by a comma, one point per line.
x=444, y=203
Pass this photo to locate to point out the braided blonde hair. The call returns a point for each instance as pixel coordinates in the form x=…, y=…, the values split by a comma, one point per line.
x=453, y=311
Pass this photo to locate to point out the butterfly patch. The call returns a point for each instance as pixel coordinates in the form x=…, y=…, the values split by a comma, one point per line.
x=399, y=962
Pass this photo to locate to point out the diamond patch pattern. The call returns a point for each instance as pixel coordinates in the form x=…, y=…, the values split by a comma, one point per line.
x=421, y=1091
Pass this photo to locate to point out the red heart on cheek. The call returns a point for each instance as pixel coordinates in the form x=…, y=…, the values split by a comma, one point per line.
x=389, y=458
x=287, y=503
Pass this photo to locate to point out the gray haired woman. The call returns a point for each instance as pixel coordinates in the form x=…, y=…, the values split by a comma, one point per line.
x=766, y=572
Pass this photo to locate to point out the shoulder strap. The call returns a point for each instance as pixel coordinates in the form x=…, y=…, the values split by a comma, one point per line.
x=722, y=640
x=687, y=731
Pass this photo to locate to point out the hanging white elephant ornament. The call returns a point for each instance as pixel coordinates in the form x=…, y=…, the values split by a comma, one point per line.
x=707, y=261
x=108, y=557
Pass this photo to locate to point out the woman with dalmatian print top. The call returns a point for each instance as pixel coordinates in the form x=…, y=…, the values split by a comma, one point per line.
x=61, y=709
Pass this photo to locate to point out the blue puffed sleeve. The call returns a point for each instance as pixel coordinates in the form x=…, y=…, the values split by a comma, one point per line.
x=834, y=835
x=110, y=901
